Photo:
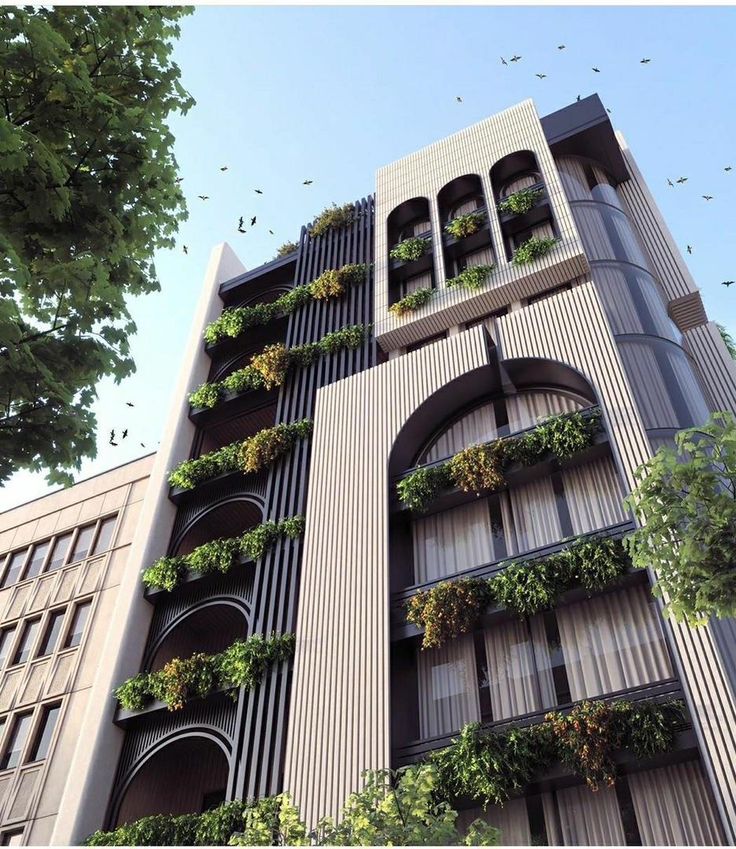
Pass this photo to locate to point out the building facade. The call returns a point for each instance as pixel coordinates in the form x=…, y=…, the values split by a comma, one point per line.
x=63, y=559
x=604, y=319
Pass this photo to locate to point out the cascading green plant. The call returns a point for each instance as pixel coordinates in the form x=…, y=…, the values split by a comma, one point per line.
x=286, y=249
x=410, y=249
x=532, y=249
x=221, y=555
x=465, y=225
x=520, y=202
x=474, y=277
x=413, y=301
x=332, y=218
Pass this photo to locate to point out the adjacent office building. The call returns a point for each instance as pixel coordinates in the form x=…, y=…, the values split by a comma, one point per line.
x=608, y=319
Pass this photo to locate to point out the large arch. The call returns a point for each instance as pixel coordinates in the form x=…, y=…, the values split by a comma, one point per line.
x=228, y=517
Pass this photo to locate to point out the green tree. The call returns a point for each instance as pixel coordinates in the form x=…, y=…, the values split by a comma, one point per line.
x=392, y=809
x=88, y=191
x=686, y=500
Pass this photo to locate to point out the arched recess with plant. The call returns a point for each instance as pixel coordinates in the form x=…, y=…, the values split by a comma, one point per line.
x=511, y=592
x=411, y=266
x=466, y=236
x=523, y=207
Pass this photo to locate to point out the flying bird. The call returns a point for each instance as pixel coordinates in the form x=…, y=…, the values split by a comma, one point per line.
x=689, y=249
x=609, y=111
x=203, y=197
x=459, y=99
x=125, y=433
x=258, y=192
x=597, y=70
x=179, y=180
x=142, y=445
x=727, y=283
x=223, y=168
x=578, y=98
x=670, y=183
x=240, y=223
x=112, y=436
x=541, y=76
x=681, y=180
x=252, y=221
x=728, y=168
x=271, y=232
x=514, y=58
x=185, y=249
x=707, y=197
x=128, y=404
x=113, y=443
x=560, y=46
x=644, y=61
x=503, y=61
x=307, y=182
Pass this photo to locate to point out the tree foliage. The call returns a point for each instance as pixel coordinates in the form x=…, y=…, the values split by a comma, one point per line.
x=87, y=192
x=686, y=499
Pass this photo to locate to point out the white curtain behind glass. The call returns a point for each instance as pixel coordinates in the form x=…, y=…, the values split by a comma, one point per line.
x=590, y=819
x=448, y=687
x=465, y=207
x=525, y=409
x=515, y=686
x=480, y=257
x=477, y=426
x=534, y=510
x=419, y=281
x=594, y=495
x=674, y=808
x=452, y=541
x=520, y=183
x=612, y=642
x=512, y=819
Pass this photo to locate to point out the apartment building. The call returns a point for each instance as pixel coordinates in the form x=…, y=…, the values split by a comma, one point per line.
x=601, y=317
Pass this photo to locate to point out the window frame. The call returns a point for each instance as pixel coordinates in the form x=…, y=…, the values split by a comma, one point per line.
x=42, y=649
x=28, y=624
x=82, y=603
x=40, y=727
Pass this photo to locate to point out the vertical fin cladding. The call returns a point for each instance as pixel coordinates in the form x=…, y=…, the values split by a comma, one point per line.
x=262, y=735
x=339, y=724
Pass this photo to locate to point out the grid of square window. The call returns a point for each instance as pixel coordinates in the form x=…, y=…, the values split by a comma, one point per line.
x=51, y=554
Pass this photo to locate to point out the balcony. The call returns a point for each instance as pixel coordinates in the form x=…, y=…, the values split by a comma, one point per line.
x=455, y=248
x=400, y=270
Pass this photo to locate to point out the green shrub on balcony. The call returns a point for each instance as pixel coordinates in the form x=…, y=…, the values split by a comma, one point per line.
x=332, y=218
x=465, y=225
x=474, y=277
x=286, y=249
x=520, y=202
x=269, y=368
x=410, y=249
x=489, y=767
x=452, y=608
x=532, y=249
x=413, y=301
x=241, y=665
x=251, y=455
x=562, y=436
x=220, y=555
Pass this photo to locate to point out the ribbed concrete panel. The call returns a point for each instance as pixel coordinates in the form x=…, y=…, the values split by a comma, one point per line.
x=717, y=368
x=422, y=174
x=669, y=266
x=339, y=720
x=572, y=327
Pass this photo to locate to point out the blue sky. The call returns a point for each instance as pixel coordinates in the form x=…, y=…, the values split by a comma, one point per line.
x=330, y=94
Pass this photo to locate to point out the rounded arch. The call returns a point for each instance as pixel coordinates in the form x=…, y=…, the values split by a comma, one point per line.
x=146, y=791
x=228, y=517
x=209, y=627
x=460, y=196
x=471, y=389
x=409, y=218
x=515, y=171
x=267, y=296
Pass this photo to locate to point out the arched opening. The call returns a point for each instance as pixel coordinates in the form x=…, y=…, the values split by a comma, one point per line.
x=410, y=220
x=209, y=629
x=228, y=519
x=520, y=172
x=225, y=431
x=471, y=246
x=186, y=776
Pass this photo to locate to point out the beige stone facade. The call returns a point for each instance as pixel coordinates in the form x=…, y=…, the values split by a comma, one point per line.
x=63, y=557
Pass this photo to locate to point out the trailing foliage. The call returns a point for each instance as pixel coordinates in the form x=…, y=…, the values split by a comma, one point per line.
x=330, y=284
x=532, y=249
x=241, y=665
x=473, y=277
x=413, y=301
x=333, y=218
x=392, y=809
x=220, y=555
x=286, y=249
x=465, y=225
x=251, y=455
x=481, y=467
x=686, y=500
x=489, y=767
x=728, y=341
x=89, y=191
x=520, y=202
x=410, y=249
x=452, y=608
x=268, y=368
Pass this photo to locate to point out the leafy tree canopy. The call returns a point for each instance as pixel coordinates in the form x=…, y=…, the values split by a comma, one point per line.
x=88, y=191
x=686, y=498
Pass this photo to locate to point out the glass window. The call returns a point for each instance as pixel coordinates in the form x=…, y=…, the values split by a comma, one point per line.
x=104, y=537
x=38, y=556
x=23, y=652
x=53, y=630
x=45, y=733
x=12, y=838
x=6, y=638
x=58, y=555
x=14, y=567
x=83, y=543
x=18, y=737
x=74, y=637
